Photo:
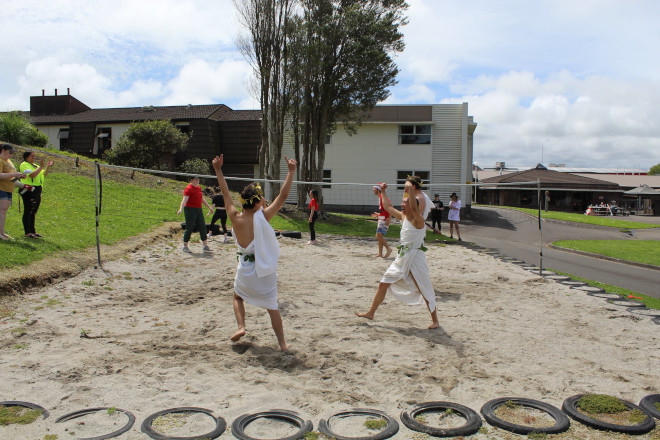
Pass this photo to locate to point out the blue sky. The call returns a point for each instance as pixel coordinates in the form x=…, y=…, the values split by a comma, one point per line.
x=578, y=80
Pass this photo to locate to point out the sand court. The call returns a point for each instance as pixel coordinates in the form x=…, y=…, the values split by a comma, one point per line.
x=151, y=331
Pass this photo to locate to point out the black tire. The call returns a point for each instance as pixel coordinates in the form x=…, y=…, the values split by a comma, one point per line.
x=643, y=311
x=623, y=302
x=388, y=431
x=239, y=425
x=471, y=426
x=44, y=411
x=561, y=421
x=84, y=412
x=573, y=283
x=291, y=234
x=220, y=424
x=557, y=278
x=646, y=425
x=648, y=403
x=589, y=289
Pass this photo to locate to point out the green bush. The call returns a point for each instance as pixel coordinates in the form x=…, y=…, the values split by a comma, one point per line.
x=17, y=129
x=196, y=166
x=148, y=144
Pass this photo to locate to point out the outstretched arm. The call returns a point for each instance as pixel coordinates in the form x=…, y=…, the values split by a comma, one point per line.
x=273, y=208
x=229, y=202
x=387, y=204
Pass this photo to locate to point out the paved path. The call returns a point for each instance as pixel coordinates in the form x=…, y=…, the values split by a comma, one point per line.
x=517, y=235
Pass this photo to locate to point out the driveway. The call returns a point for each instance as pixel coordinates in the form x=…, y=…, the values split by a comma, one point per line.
x=517, y=235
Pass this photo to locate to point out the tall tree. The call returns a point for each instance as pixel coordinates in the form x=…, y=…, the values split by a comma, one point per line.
x=348, y=68
x=265, y=48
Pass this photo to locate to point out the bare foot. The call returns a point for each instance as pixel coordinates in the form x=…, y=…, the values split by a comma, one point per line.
x=284, y=347
x=365, y=315
x=387, y=254
x=378, y=256
x=238, y=335
x=434, y=325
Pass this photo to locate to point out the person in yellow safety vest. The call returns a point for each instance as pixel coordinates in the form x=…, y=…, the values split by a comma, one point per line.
x=31, y=193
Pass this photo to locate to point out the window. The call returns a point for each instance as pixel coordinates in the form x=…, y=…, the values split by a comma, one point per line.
x=414, y=134
x=103, y=140
x=401, y=177
x=63, y=136
x=328, y=140
x=183, y=127
x=327, y=178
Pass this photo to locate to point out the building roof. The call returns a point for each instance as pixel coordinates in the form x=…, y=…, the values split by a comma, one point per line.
x=551, y=178
x=627, y=181
x=215, y=112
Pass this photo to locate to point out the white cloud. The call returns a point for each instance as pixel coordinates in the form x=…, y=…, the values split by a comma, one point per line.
x=200, y=82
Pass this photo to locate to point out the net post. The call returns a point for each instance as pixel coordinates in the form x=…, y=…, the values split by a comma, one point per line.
x=97, y=178
x=538, y=189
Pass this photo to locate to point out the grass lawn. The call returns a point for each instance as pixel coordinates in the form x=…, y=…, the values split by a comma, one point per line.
x=641, y=251
x=613, y=222
x=67, y=213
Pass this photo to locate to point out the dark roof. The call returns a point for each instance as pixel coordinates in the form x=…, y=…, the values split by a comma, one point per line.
x=551, y=178
x=215, y=112
x=242, y=115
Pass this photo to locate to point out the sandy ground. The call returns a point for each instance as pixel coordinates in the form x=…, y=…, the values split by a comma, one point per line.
x=150, y=331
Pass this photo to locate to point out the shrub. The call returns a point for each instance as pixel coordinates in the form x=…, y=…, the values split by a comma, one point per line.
x=601, y=404
x=17, y=129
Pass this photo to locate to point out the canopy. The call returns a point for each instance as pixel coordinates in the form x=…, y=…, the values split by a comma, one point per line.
x=643, y=190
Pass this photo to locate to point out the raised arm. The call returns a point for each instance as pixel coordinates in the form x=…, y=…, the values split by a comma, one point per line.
x=387, y=204
x=229, y=202
x=413, y=214
x=273, y=208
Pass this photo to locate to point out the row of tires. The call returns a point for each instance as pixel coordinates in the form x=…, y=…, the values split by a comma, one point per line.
x=215, y=230
x=632, y=306
x=648, y=406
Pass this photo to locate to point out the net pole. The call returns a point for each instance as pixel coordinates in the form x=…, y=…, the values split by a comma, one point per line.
x=538, y=189
x=97, y=177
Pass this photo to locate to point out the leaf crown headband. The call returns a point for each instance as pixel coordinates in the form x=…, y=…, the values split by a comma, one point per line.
x=413, y=179
x=254, y=198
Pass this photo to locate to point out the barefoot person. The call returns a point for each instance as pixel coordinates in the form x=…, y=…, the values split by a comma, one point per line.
x=407, y=278
x=258, y=249
x=382, y=226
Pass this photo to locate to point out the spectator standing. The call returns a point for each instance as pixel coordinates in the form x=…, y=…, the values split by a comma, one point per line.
x=218, y=202
x=7, y=175
x=35, y=177
x=436, y=214
x=454, y=215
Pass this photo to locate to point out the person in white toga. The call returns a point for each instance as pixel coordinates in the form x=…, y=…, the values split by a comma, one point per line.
x=258, y=249
x=407, y=278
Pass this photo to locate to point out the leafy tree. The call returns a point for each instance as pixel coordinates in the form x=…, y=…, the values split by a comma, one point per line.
x=148, y=144
x=318, y=62
x=655, y=170
x=16, y=129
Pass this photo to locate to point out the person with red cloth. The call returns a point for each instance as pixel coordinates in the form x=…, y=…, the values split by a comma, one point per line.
x=191, y=205
x=383, y=224
x=313, y=214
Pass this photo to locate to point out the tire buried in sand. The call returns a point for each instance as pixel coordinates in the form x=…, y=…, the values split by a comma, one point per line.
x=239, y=425
x=561, y=421
x=391, y=428
x=471, y=425
x=220, y=424
x=84, y=412
x=646, y=425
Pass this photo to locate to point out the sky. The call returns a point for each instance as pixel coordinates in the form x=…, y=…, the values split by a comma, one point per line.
x=552, y=81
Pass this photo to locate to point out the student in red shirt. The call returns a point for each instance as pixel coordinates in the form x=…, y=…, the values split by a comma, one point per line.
x=313, y=214
x=191, y=205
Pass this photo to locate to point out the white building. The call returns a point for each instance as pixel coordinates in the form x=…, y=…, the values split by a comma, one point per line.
x=432, y=141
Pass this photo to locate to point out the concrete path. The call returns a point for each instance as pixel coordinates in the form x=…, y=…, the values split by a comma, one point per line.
x=517, y=235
